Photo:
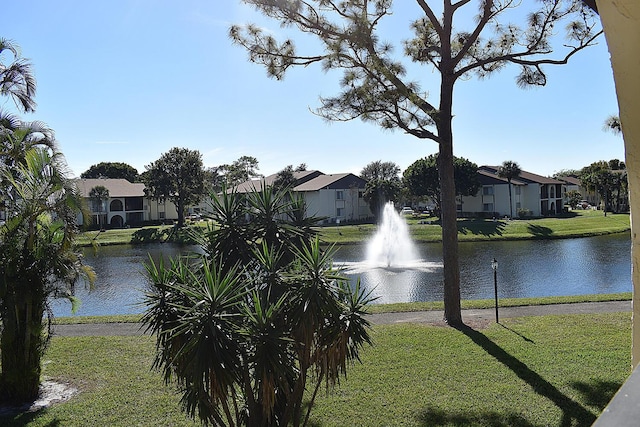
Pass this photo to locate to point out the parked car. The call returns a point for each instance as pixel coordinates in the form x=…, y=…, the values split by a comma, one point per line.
x=406, y=211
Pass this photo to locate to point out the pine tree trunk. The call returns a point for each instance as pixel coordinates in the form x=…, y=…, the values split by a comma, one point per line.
x=452, y=309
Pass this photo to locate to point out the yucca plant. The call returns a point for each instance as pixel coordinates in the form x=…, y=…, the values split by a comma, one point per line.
x=251, y=344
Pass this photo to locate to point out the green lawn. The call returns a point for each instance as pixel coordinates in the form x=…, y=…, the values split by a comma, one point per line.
x=422, y=229
x=538, y=371
x=427, y=229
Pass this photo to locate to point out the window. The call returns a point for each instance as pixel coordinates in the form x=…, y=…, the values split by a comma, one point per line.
x=116, y=205
x=339, y=212
x=518, y=190
x=487, y=207
x=487, y=190
x=339, y=195
x=133, y=204
x=161, y=215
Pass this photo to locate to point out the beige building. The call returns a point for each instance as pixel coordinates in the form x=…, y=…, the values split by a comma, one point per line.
x=126, y=205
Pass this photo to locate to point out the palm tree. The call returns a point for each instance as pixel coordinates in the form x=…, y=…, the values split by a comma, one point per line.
x=99, y=194
x=16, y=139
x=38, y=261
x=16, y=78
x=509, y=170
x=254, y=327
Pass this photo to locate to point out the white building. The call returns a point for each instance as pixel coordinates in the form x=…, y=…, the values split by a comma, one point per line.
x=336, y=197
x=531, y=195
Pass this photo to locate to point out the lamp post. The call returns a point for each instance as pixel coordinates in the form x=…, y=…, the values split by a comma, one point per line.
x=494, y=267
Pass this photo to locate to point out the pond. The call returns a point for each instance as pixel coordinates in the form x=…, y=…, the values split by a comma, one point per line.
x=534, y=268
x=592, y=265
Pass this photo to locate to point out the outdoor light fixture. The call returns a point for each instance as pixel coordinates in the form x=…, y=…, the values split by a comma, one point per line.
x=494, y=267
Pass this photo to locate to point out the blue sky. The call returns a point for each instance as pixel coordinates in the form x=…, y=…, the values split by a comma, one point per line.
x=125, y=81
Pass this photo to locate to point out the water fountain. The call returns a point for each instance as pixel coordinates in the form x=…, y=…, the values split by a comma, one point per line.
x=391, y=246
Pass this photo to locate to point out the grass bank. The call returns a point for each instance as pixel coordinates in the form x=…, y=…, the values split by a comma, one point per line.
x=422, y=228
x=427, y=229
x=551, y=370
x=400, y=307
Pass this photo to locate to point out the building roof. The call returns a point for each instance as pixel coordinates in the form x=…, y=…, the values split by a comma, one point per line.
x=332, y=181
x=524, y=177
x=571, y=180
x=117, y=187
x=256, y=184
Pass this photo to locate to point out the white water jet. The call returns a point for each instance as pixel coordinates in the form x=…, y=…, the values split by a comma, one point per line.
x=391, y=246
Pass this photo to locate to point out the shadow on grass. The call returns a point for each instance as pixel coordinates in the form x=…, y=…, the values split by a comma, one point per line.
x=21, y=419
x=437, y=417
x=597, y=393
x=517, y=333
x=539, y=231
x=573, y=413
x=481, y=227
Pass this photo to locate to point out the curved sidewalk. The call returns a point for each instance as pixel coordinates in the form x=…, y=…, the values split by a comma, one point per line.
x=468, y=316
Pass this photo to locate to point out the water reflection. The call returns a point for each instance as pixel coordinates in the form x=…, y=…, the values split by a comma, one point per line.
x=526, y=269
x=537, y=268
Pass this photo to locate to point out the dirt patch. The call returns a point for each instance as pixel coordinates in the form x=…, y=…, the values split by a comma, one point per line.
x=50, y=392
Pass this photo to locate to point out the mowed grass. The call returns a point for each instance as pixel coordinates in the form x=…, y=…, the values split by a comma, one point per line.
x=427, y=229
x=536, y=371
x=422, y=228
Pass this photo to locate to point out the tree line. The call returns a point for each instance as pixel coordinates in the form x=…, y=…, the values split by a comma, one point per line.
x=180, y=177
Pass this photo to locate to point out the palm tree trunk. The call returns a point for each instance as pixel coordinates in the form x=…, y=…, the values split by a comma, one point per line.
x=22, y=332
x=510, y=202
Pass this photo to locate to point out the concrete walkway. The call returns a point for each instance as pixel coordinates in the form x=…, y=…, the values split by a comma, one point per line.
x=431, y=317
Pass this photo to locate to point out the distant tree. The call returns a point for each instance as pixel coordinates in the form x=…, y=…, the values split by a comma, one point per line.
x=178, y=176
x=376, y=84
x=112, y=170
x=422, y=178
x=285, y=179
x=509, y=170
x=383, y=184
x=564, y=173
x=301, y=167
x=16, y=78
x=620, y=182
x=422, y=181
x=573, y=198
x=99, y=194
x=241, y=170
x=379, y=170
x=601, y=178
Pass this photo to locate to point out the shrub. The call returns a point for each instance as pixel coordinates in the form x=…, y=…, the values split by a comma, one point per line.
x=259, y=318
